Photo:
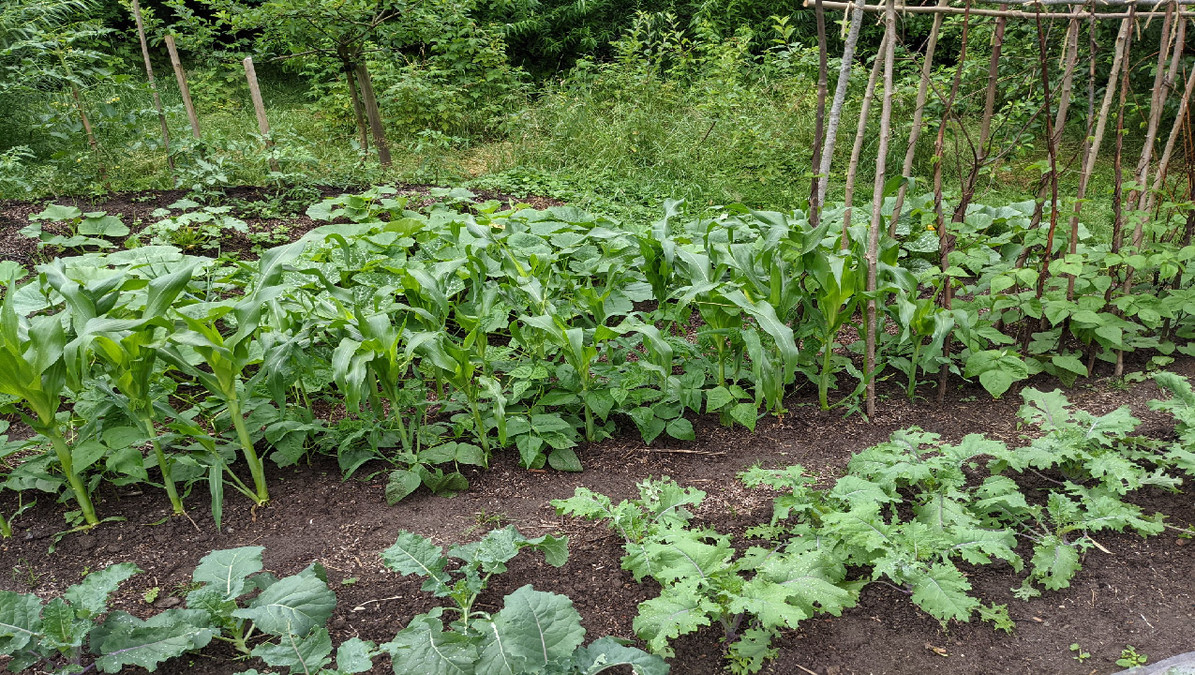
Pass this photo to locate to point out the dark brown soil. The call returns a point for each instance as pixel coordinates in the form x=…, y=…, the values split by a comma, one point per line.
x=1139, y=594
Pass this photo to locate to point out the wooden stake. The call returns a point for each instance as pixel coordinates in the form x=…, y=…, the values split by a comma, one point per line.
x=946, y=240
x=815, y=203
x=95, y=146
x=153, y=87
x=259, y=107
x=877, y=203
x=1051, y=146
x=835, y=115
x=918, y=110
x=374, y=115
x=1101, y=124
x=1164, y=163
x=181, y=76
x=1157, y=102
x=857, y=149
x=1117, y=189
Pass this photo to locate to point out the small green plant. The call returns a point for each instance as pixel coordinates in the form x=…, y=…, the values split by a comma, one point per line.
x=1080, y=654
x=533, y=632
x=150, y=596
x=1130, y=658
x=82, y=229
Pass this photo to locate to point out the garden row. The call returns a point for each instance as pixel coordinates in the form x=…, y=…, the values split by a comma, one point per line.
x=456, y=329
x=912, y=513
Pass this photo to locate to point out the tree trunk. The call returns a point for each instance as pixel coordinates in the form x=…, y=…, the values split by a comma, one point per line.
x=877, y=204
x=358, y=108
x=374, y=115
x=835, y=114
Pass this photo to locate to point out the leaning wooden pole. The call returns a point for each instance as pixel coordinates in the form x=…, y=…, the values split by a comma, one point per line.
x=153, y=87
x=1175, y=132
x=180, y=76
x=1097, y=136
x=927, y=67
x=835, y=115
x=1118, y=178
x=877, y=204
x=1157, y=102
x=815, y=203
x=945, y=239
x=857, y=148
x=1051, y=152
x=259, y=108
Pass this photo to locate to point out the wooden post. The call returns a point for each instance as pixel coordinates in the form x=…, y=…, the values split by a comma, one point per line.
x=153, y=87
x=259, y=107
x=1117, y=183
x=374, y=115
x=1179, y=121
x=181, y=76
x=877, y=203
x=95, y=146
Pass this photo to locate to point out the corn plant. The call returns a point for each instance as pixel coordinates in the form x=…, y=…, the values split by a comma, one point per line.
x=35, y=367
x=128, y=348
x=228, y=356
x=833, y=304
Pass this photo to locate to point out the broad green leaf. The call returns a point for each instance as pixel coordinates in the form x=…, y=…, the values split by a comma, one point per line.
x=295, y=604
x=20, y=620
x=608, y=653
x=533, y=630
x=414, y=554
x=423, y=647
x=124, y=640
x=401, y=484
x=90, y=596
x=300, y=654
x=942, y=592
x=225, y=571
x=355, y=656
x=1054, y=562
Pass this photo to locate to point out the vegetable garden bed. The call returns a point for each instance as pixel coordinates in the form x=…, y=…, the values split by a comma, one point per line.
x=1140, y=594
x=349, y=382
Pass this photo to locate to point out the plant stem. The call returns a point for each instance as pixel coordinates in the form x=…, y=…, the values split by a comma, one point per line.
x=262, y=494
x=163, y=466
x=913, y=368
x=76, y=483
x=823, y=384
x=481, y=435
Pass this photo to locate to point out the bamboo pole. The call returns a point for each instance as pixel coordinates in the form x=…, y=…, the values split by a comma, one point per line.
x=815, y=203
x=857, y=148
x=153, y=87
x=835, y=115
x=259, y=107
x=95, y=146
x=918, y=110
x=181, y=76
x=877, y=204
x=1010, y=14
